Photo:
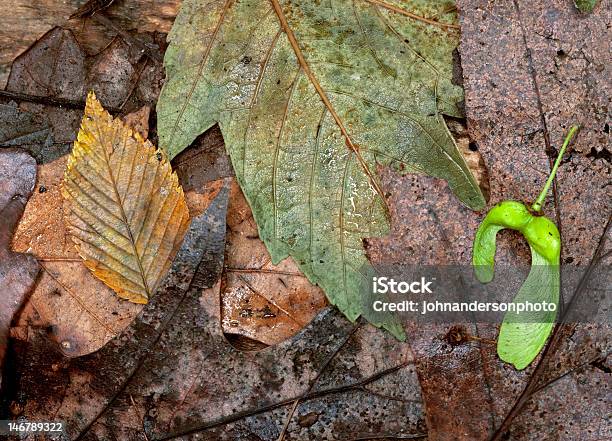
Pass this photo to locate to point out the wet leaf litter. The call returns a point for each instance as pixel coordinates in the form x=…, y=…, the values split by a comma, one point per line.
x=80, y=313
x=322, y=96
x=145, y=412
x=18, y=271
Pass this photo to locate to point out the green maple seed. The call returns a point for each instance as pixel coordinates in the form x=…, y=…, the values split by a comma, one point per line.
x=522, y=337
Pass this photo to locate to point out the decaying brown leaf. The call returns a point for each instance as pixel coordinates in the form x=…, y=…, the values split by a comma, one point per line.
x=79, y=312
x=127, y=214
x=262, y=301
x=26, y=24
x=139, y=121
x=202, y=170
x=530, y=70
x=90, y=7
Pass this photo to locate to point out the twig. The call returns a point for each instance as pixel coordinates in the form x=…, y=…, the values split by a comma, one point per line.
x=139, y=417
x=401, y=11
x=374, y=436
x=571, y=371
x=49, y=101
x=59, y=259
x=264, y=271
x=326, y=363
x=90, y=7
x=305, y=397
x=546, y=133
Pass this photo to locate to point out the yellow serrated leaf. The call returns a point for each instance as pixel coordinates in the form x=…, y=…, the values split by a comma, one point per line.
x=127, y=212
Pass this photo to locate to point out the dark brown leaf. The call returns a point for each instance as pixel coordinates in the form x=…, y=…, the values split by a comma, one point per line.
x=90, y=7
x=365, y=376
x=17, y=271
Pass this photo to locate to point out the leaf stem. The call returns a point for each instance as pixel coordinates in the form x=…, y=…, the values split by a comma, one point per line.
x=539, y=202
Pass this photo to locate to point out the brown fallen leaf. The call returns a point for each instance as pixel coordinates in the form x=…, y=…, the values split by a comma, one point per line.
x=139, y=121
x=469, y=151
x=450, y=365
x=17, y=271
x=26, y=24
x=202, y=169
x=265, y=302
x=531, y=69
x=90, y=7
x=80, y=312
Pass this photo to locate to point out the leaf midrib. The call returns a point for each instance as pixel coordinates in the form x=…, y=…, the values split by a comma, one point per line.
x=122, y=211
x=313, y=80
x=311, y=77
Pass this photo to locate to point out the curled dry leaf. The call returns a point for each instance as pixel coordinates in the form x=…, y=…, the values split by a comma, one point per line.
x=128, y=213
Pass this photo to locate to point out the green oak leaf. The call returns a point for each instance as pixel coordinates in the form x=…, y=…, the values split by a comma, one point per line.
x=311, y=96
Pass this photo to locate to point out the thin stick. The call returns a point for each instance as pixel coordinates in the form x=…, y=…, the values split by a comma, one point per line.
x=49, y=101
